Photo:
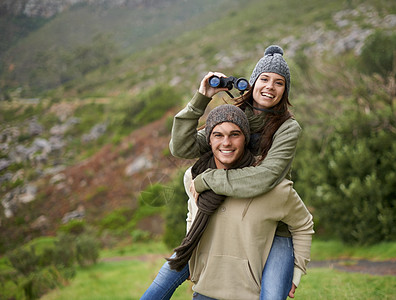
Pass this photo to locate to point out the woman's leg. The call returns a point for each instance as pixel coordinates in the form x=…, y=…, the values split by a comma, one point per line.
x=278, y=271
x=166, y=282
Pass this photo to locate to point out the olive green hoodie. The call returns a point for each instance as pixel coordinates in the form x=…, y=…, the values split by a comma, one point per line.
x=230, y=257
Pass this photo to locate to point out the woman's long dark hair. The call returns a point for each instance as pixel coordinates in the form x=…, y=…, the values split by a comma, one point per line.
x=274, y=118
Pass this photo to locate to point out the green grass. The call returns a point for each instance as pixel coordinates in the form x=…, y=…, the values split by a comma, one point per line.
x=128, y=279
x=135, y=249
x=331, y=284
x=322, y=250
x=41, y=243
x=114, y=280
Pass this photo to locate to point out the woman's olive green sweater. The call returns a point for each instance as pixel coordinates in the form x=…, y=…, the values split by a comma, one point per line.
x=187, y=142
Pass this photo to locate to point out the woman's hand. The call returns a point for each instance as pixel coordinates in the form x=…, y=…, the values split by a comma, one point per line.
x=206, y=89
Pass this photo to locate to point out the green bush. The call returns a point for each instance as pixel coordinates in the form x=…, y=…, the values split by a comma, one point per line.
x=140, y=235
x=24, y=260
x=352, y=184
x=73, y=227
x=87, y=250
x=154, y=195
x=156, y=102
x=151, y=202
x=64, y=252
x=378, y=54
x=128, y=114
x=37, y=272
x=41, y=282
x=116, y=219
x=176, y=212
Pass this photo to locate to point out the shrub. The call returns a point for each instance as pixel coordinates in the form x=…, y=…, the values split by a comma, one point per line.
x=116, y=219
x=38, y=283
x=378, y=54
x=73, y=227
x=154, y=195
x=23, y=260
x=140, y=235
x=156, y=102
x=87, y=250
x=176, y=211
x=352, y=184
x=64, y=252
x=37, y=272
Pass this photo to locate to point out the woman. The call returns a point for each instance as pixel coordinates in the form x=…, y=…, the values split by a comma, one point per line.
x=274, y=138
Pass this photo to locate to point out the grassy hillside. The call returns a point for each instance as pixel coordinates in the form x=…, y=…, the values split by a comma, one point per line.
x=195, y=33
x=131, y=29
x=157, y=53
x=234, y=41
x=91, y=93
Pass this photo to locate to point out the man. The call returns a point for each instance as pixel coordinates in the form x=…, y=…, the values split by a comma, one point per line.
x=227, y=248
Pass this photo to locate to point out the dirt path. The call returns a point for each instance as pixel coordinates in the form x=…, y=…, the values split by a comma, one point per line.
x=347, y=265
x=358, y=266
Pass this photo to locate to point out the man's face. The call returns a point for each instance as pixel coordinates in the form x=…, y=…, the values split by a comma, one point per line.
x=228, y=144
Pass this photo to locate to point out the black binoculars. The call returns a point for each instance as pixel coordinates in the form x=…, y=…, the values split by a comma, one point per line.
x=228, y=82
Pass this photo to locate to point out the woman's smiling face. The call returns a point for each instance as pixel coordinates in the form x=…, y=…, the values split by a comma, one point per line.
x=268, y=90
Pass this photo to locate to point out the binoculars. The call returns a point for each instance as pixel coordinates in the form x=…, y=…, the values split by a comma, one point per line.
x=228, y=82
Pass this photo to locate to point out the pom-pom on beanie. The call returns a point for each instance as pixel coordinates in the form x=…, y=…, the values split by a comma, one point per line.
x=227, y=113
x=272, y=62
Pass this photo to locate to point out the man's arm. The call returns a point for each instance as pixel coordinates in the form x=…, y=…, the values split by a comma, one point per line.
x=191, y=205
x=300, y=223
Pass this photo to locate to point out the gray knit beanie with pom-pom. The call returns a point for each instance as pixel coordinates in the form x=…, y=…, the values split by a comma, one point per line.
x=227, y=113
x=272, y=62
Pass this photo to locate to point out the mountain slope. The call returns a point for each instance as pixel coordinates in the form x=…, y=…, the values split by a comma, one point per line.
x=129, y=27
x=321, y=41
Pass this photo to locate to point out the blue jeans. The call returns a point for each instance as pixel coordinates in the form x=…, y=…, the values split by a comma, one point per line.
x=197, y=296
x=278, y=270
x=275, y=284
x=166, y=282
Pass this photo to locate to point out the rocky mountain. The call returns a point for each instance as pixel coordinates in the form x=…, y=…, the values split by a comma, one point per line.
x=111, y=178
x=49, y=8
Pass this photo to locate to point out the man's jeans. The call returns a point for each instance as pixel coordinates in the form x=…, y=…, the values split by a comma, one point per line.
x=276, y=281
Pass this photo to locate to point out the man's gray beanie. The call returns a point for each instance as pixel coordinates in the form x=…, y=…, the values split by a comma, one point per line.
x=227, y=113
x=272, y=62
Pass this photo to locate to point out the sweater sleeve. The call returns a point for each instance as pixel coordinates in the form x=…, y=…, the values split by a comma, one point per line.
x=186, y=141
x=191, y=205
x=253, y=181
x=300, y=223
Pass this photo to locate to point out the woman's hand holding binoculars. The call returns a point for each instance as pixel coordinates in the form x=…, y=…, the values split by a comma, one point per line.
x=215, y=82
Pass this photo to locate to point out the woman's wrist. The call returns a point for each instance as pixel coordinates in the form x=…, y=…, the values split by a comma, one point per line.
x=199, y=184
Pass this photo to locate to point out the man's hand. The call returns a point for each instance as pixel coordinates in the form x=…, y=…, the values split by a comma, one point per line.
x=292, y=291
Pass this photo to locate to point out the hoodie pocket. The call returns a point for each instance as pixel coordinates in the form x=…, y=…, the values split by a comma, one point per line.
x=229, y=276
